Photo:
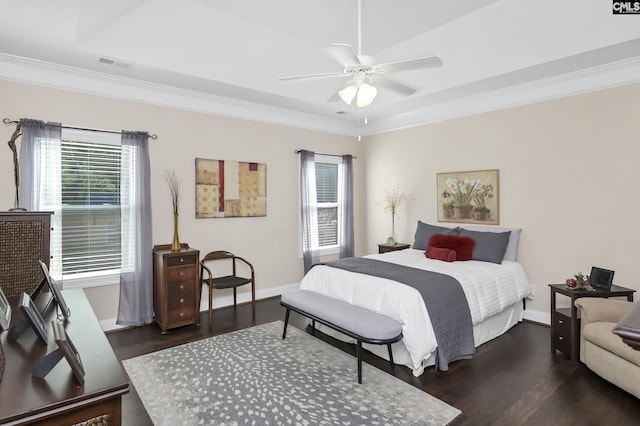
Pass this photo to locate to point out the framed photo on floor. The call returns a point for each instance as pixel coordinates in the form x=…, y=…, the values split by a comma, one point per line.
x=31, y=313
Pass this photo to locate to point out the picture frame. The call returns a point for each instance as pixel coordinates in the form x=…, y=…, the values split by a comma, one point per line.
x=69, y=351
x=55, y=291
x=31, y=313
x=5, y=311
x=469, y=197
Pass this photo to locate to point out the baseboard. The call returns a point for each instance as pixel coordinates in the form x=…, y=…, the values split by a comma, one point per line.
x=537, y=316
x=218, y=302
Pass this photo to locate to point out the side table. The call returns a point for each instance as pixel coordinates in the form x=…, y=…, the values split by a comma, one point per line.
x=385, y=248
x=565, y=322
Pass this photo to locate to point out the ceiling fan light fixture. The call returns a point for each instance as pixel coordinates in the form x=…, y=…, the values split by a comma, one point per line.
x=366, y=94
x=348, y=93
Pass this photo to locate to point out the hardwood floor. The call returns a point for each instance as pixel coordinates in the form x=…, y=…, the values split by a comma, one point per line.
x=512, y=380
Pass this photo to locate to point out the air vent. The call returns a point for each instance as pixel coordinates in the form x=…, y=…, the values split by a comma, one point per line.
x=113, y=62
x=341, y=112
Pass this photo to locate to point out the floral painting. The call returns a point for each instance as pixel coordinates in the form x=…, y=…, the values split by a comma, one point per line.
x=469, y=197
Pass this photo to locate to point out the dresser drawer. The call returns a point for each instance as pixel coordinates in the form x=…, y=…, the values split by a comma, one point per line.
x=182, y=314
x=187, y=259
x=562, y=332
x=181, y=273
x=180, y=289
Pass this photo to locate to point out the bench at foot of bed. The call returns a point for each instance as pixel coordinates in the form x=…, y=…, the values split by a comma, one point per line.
x=363, y=325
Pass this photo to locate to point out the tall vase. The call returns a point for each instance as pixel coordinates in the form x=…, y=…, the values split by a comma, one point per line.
x=175, y=246
x=391, y=241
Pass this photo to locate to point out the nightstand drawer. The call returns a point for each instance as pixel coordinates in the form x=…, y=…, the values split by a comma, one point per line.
x=181, y=273
x=186, y=259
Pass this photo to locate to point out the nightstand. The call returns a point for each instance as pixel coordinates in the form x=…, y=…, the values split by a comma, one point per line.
x=176, y=286
x=385, y=248
x=565, y=322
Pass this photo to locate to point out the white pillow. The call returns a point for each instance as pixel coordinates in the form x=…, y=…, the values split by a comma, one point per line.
x=512, y=247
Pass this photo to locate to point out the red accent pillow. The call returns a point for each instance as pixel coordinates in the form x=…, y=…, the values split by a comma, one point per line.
x=439, y=253
x=463, y=246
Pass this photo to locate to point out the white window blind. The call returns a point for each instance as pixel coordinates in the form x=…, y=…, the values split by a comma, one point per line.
x=91, y=222
x=327, y=198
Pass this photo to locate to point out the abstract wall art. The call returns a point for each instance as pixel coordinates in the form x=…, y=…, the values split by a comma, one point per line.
x=230, y=188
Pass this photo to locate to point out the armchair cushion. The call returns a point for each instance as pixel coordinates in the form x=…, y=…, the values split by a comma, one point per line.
x=597, y=309
x=601, y=334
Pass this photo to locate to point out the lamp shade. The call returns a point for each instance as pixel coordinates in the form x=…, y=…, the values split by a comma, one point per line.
x=366, y=94
x=348, y=93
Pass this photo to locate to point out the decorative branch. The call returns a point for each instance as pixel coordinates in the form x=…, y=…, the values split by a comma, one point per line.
x=174, y=187
x=16, y=164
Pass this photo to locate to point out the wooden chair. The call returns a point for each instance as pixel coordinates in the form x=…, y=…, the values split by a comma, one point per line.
x=227, y=281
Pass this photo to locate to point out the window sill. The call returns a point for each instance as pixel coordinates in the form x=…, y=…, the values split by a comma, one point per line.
x=87, y=282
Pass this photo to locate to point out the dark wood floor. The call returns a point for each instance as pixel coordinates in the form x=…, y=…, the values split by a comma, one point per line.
x=512, y=380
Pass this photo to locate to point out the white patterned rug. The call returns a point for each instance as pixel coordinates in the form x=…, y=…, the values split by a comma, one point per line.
x=254, y=377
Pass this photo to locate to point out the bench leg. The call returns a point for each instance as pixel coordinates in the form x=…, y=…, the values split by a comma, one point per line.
x=359, y=356
x=391, y=356
x=286, y=322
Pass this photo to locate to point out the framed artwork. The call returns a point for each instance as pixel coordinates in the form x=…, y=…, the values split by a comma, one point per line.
x=230, y=189
x=30, y=312
x=5, y=311
x=69, y=351
x=469, y=197
x=55, y=291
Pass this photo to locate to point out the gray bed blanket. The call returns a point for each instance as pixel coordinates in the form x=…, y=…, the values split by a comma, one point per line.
x=443, y=296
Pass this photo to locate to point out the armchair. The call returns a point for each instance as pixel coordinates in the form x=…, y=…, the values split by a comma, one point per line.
x=603, y=351
x=227, y=281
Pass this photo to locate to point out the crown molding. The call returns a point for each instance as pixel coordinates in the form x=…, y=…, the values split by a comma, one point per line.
x=31, y=71
x=607, y=76
x=24, y=70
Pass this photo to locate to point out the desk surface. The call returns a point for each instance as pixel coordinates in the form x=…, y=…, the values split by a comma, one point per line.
x=28, y=398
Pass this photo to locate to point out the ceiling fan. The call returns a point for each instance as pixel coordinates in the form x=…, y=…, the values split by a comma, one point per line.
x=363, y=74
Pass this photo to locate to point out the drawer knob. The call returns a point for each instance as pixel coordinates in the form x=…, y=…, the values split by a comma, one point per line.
x=559, y=338
x=182, y=259
x=181, y=300
x=181, y=314
x=182, y=273
x=560, y=321
x=181, y=286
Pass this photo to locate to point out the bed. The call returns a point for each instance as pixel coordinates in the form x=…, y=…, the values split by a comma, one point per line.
x=494, y=291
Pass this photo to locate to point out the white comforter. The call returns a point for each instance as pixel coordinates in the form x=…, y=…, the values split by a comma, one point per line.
x=489, y=289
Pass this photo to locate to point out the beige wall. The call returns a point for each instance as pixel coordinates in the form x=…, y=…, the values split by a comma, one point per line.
x=270, y=243
x=568, y=177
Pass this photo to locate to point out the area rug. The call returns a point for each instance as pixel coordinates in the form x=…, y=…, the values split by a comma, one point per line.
x=254, y=377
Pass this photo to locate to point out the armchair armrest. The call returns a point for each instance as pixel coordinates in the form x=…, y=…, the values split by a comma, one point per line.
x=597, y=309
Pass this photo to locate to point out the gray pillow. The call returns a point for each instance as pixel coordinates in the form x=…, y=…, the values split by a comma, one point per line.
x=514, y=239
x=424, y=231
x=489, y=246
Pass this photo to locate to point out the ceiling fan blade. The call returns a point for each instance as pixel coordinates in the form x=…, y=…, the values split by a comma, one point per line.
x=343, y=54
x=313, y=76
x=394, y=86
x=411, y=64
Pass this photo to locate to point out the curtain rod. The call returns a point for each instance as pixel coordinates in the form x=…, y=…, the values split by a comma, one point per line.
x=297, y=151
x=9, y=121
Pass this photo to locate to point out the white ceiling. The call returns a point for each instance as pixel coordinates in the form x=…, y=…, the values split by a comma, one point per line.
x=225, y=56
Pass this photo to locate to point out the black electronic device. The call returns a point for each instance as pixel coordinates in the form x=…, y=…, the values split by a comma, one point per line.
x=601, y=278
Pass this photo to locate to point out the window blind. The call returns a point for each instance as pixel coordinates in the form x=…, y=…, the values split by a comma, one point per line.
x=90, y=193
x=327, y=197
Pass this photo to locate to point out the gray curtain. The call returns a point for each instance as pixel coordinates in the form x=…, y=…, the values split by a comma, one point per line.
x=136, y=279
x=41, y=180
x=308, y=209
x=345, y=233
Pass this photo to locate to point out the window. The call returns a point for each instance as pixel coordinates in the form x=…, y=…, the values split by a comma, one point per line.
x=327, y=196
x=91, y=200
x=90, y=208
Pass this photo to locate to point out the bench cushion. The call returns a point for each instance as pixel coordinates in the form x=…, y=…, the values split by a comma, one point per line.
x=362, y=322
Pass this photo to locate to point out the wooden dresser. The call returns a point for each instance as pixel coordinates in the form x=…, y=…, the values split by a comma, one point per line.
x=176, y=286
